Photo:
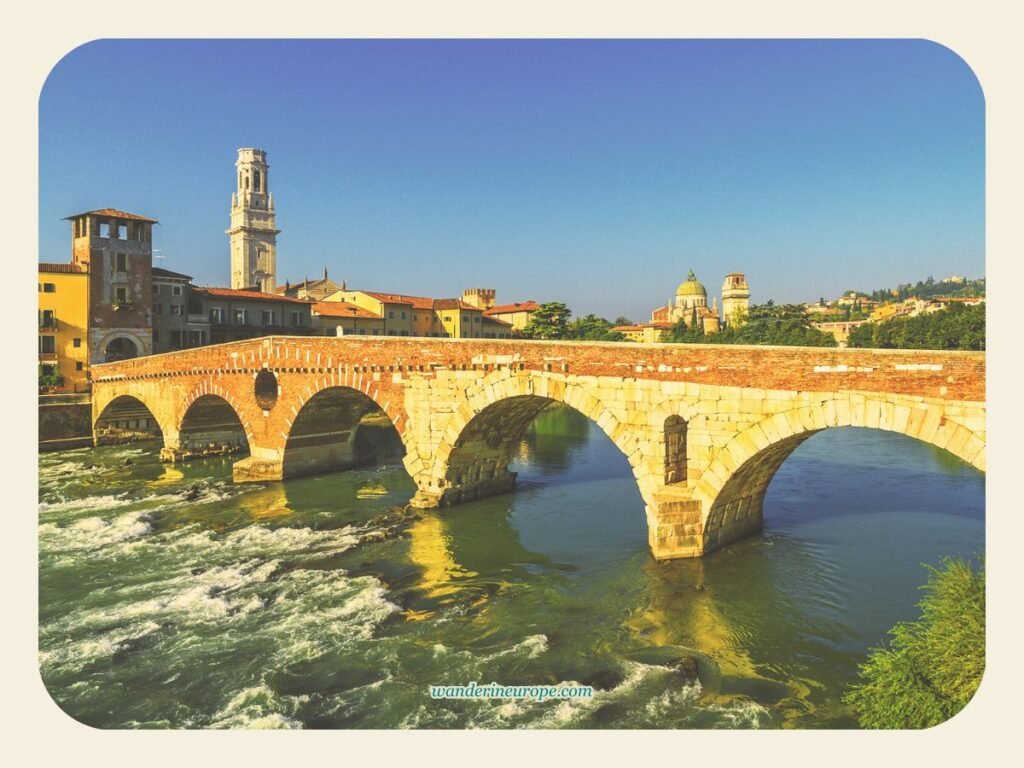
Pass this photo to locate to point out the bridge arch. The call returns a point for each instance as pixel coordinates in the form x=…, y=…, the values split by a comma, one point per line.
x=480, y=439
x=733, y=486
x=211, y=423
x=125, y=418
x=322, y=435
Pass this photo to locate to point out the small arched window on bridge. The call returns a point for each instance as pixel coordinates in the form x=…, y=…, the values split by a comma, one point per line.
x=675, y=449
x=265, y=389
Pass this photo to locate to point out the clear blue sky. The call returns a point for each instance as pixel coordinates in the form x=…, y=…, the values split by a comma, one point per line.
x=593, y=172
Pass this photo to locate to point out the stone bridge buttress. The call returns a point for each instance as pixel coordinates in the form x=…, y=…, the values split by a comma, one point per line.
x=704, y=428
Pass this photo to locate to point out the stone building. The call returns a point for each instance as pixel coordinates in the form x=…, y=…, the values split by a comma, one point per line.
x=116, y=249
x=517, y=315
x=735, y=299
x=690, y=306
x=179, y=320
x=243, y=314
x=316, y=290
x=253, y=229
x=64, y=325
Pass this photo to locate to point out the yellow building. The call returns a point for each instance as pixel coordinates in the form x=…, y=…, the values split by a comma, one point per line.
x=517, y=315
x=648, y=332
x=404, y=315
x=64, y=325
x=343, y=318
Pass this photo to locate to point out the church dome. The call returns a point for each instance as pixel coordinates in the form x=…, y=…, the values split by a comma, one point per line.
x=691, y=287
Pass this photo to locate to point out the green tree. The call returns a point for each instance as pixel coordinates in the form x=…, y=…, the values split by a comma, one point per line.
x=623, y=320
x=593, y=328
x=933, y=665
x=549, y=321
x=769, y=323
x=958, y=327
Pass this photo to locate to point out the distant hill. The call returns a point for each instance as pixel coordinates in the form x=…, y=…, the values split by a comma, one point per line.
x=926, y=289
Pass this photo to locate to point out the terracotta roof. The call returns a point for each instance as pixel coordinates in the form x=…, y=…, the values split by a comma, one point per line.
x=113, y=213
x=69, y=268
x=419, y=302
x=232, y=293
x=343, y=309
x=453, y=304
x=502, y=309
x=161, y=272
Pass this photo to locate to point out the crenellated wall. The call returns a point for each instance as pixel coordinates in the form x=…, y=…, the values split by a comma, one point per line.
x=704, y=427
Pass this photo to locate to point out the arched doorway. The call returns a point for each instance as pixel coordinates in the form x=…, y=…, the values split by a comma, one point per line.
x=121, y=348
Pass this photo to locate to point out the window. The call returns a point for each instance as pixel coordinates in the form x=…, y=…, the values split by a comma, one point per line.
x=296, y=318
x=268, y=317
x=403, y=315
x=175, y=339
x=465, y=318
x=104, y=229
x=122, y=262
x=156, y=289
x=476, y=319
x=122, y=231
x=47, y=287
x=78, y=365
x=47, y=319
x=47, y=345
x=120, y=295
x=175, y=290
x=76, y=343
x=177, y=309
x=217, y=315
x=391, y=314
x=241, y=317
x=376, y=331
x=158, y=309
x=256, y=181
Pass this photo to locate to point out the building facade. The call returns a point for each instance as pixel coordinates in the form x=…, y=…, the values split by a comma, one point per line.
x=179, y=320
x=64, y=327
x=253, y=229
x=244, y=314
x=116, y=249
x=735, y=299
x=517, y=315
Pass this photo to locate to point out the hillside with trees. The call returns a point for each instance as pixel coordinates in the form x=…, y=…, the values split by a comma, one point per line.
x=958, y=327
x=930, y=288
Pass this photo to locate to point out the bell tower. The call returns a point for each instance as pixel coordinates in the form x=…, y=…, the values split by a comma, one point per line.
x=253, y=233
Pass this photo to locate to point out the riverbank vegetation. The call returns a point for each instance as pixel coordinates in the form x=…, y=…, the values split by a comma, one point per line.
x=933, y=666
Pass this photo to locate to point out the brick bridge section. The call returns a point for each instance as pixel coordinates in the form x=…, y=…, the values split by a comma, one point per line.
x=704, y=427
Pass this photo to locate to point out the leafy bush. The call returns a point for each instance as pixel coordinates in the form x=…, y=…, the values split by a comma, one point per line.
x=934, y=665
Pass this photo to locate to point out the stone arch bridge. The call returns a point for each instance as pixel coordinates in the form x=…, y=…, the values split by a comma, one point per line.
x=704, y=427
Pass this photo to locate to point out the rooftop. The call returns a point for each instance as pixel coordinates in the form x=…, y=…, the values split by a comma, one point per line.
x=233, y=293
x=519, y=306
x=69, y=268
x=161, y=272
x=343, y=309
x=113, y=213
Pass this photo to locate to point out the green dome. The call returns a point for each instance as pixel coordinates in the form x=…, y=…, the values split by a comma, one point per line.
x=691, y=287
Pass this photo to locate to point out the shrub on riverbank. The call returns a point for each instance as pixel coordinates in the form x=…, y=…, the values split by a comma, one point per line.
x=934, y=665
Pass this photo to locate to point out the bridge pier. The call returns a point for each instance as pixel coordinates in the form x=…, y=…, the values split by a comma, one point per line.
x=260, y=466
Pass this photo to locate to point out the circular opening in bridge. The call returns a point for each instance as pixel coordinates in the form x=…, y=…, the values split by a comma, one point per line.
x=266, y=389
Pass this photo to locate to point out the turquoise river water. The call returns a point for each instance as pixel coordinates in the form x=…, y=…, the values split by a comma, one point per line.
x=170, y=597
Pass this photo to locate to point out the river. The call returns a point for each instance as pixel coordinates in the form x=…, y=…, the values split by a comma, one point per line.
x=171, y=598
